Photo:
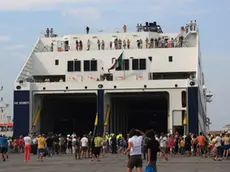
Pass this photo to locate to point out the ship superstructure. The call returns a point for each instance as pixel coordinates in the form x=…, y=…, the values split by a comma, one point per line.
x=144, y=79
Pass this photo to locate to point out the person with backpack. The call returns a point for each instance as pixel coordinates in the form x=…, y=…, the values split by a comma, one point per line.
x=153, y=147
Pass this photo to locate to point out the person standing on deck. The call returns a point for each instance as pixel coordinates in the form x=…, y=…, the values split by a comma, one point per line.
x=125, y=28
x=87, y=30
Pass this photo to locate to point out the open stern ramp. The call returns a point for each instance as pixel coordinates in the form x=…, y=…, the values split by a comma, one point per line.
x=67, y=113
x=142, y=110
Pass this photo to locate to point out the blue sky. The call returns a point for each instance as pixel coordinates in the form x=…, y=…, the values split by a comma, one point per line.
x=22, y=21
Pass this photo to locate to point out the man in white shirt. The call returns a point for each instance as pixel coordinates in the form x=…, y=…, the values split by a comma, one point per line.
x=84, y=146
x=163, y=141
x=27, y=141
x=218, y=148
x=134, y=146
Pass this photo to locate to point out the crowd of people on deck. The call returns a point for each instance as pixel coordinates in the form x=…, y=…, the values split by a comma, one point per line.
x=136, y=144
x=160, y=42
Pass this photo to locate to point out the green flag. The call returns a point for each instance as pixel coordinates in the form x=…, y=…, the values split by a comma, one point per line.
x=118, y=62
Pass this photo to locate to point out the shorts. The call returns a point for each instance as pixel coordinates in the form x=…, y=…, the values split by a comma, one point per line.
x=84, y=149
x=226, y=147
x=187, y=147
x=202, y=148
x=3, y=150
x=97, y=151
x=41, y=150
x=135, y=161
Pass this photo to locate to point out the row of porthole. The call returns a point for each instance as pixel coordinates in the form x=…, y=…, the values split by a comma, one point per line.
x=99, y=86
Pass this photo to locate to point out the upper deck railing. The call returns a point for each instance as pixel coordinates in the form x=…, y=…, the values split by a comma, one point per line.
x=97, y=44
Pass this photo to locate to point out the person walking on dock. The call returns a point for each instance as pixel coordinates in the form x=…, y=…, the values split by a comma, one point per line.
x=3, y=147
x=27, y=148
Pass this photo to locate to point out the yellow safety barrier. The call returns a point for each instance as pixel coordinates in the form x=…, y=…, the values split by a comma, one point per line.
x=107, y=115
x=96, y=121
x=37, y=115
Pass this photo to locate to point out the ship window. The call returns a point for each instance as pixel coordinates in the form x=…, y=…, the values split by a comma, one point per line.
x=135, y=64
x=139, y=64
x=170, y=58
x=77, y=66
x=93, y=65
x=56, y=62
x=86, y=65
x=124, y=66
x=183, y=99
x=142, y=64
x=70, y=66
x=90, y=65
x=170, y=75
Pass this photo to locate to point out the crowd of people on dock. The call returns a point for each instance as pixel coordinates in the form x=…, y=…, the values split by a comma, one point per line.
x=136, y=144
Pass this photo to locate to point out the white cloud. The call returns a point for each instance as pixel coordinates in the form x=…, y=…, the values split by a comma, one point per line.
x=41, y=5
x=171, y=5
x=4, y=38
x=19, y=55
x=83, y=13
x=15, y=47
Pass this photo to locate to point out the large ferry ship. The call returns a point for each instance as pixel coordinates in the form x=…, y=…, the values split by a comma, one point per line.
x=146, y=79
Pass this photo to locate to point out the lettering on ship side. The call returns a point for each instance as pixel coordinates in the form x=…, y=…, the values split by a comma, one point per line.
x=22, y=103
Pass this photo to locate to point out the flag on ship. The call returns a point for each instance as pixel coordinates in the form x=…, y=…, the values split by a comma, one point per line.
x=118, y=62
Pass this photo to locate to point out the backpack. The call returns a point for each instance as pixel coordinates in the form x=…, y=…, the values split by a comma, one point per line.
x=150, y=168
